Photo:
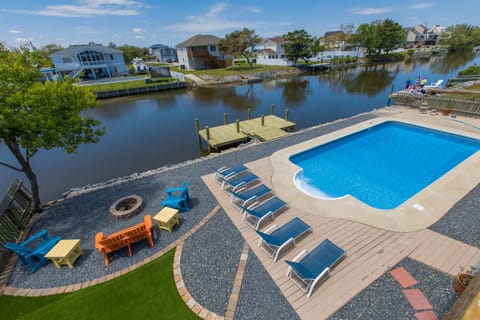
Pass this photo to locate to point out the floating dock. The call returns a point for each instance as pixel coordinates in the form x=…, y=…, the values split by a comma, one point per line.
x=264, y=128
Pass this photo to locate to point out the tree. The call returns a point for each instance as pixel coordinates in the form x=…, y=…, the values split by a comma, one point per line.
x=298, y=45
x=36, y=116
x=132, y=52
x=240, y=42
x=379, y=36
x=461, y=36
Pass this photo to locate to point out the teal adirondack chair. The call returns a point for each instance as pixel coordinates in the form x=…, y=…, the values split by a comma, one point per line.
x=33, y=250
x=177, y=198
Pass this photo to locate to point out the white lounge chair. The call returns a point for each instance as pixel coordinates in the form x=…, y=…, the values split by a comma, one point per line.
x=432, y=85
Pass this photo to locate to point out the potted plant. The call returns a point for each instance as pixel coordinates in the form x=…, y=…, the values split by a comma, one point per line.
x=463, y=279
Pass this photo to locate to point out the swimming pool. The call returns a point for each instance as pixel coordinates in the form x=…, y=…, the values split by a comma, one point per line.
x=382, y=166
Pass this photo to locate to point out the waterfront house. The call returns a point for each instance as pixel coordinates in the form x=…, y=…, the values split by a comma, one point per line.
x=416, y=35
x=201, y=52
x=271, y=51
x=90, y=61
x=163, y=53
x=432, y=35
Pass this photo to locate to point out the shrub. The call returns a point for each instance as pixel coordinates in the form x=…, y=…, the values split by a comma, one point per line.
x=470, y=71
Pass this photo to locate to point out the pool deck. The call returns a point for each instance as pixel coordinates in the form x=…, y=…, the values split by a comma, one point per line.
x=221, y=272
x=371, y=251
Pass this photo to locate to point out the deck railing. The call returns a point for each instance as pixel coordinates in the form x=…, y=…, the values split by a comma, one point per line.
x=459, y=105
x=15, y=214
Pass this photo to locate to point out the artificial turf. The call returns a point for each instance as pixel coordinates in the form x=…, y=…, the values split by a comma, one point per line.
x=148, y=292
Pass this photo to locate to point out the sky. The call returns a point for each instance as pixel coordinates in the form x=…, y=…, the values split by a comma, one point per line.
x=146, y=22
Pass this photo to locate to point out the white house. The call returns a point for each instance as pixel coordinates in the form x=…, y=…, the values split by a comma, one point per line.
x=271, y=51
x=201, y=52
x=93, y=60
x=432, y=35
x=163, y=53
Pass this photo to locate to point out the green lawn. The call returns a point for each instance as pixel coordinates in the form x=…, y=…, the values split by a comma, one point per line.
x=234, y=70
x=128, y=84
x=148, y=292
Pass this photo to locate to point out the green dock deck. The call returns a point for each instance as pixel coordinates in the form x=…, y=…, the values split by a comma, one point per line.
x=273, y=128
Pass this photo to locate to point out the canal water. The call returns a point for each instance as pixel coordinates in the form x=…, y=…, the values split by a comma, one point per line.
x=149, y=131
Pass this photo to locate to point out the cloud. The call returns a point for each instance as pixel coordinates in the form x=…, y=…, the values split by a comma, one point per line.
x=88, y=8
x=213, y=20
x=140, y=37
x=419, y=6
x=371, y=11
x=14, y=31
x=138, y=30
x=87, y=30
x=254, y=9
x=23, y=40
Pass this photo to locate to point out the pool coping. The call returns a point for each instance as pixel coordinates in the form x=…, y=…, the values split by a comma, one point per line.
x=418, y=212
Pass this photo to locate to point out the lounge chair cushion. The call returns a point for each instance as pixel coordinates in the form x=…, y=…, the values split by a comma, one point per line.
x=272, y=205
x=292, y=229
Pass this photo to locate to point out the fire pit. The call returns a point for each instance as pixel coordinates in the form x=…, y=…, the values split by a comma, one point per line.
x=127, y=207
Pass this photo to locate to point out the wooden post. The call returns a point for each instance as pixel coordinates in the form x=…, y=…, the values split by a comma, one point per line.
x=237, y=122
x=272, y=109
x=225, y=121
x=391, y=91
x=286, y=114
x=208, y=132
x=249, y=114
x=263, y=120
x=197, y=127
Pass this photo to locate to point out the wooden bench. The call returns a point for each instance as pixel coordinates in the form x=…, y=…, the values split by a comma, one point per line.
x=124, y=238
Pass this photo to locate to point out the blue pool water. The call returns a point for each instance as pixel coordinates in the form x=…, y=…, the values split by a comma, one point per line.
x=383, y=165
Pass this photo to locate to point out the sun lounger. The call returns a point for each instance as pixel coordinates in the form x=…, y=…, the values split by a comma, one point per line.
x=238, y=181
x=256, y=213
x=273, y=243
x=434, y=85
x=247, y=195
x=223, y=172
x=315, y=266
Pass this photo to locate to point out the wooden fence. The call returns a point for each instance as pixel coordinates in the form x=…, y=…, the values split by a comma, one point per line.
x=15, y=214
x=459, y=105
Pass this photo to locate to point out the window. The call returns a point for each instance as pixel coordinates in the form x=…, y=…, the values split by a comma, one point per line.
x=67, y=60
x=213, y=48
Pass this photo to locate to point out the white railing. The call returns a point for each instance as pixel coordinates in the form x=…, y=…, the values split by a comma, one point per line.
x=177, y=75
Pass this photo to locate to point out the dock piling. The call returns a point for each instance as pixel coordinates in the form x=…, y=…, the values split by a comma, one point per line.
x=263, y=120
x=286, y=114
x=237, y=122
x=272, y=109
x=207, y=129
x=225, y=121
x=249, y=114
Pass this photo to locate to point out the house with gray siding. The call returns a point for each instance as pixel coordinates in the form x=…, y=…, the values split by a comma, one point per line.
x=201, y=52
x=91, y=61
x=163, y=53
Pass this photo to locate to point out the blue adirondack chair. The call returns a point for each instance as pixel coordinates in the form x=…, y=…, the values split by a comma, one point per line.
x=177, y=198
x=33, y=250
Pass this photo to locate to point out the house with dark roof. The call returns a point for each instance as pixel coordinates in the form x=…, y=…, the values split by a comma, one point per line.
x=91, y=61
x=201, y=52
x=163, y=53
x=271, y=51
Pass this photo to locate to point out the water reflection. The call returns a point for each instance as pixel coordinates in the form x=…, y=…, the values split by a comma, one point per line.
x=451, y=62
x=369, y=80
x=295, y=91
x=237, y=97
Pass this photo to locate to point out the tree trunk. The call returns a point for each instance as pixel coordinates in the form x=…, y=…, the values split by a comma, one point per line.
x=248, y=61
x=32, y=177
x=27, y=169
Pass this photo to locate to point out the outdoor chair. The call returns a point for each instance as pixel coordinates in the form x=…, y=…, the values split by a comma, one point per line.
x=257, y=212
x=432, y=85
x=238, y=181
x=279, y=238
x=245, y=195
x=177, y=198
x=223, y=172
x=33, y=250
x=315, y=266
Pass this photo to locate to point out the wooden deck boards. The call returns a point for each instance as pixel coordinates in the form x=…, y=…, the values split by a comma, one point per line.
x=224, y=135
x=370, y=252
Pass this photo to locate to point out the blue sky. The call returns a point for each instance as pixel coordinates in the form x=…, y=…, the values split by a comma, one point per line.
x=146, y=22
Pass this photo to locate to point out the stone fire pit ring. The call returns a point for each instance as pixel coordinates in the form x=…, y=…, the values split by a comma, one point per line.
x=127, y=207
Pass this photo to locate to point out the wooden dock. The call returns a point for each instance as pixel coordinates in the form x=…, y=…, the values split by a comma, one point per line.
x=264, y=128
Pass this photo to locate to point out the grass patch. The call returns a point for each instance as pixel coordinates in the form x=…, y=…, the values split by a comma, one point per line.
x=148, y=292
x=234, y=70
x=129, y=84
